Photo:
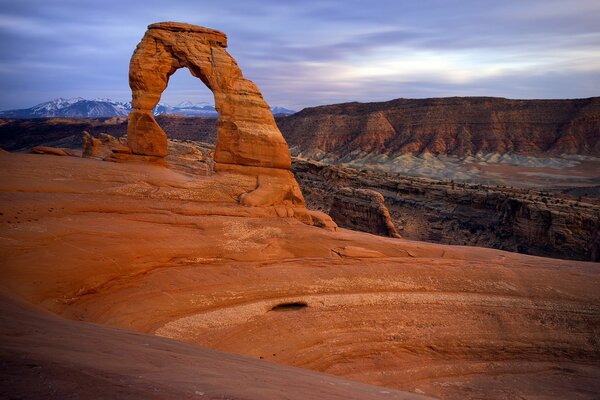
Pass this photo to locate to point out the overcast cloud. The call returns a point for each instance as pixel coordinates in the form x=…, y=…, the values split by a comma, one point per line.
x=312, y=52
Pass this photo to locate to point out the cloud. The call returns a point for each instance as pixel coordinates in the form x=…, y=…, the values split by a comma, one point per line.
x=312, y=52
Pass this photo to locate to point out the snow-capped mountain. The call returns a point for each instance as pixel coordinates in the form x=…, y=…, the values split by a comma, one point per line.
x=194, y=110
x=73, y=108
x=82, y=108
x=280, y=111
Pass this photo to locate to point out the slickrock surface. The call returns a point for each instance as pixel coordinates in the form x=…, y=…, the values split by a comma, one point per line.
x=169, y=251
x=47, y=357
x=459, y=126
x=246, y=130
x=362, y=210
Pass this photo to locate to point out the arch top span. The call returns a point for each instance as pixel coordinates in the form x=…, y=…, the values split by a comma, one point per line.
x=218, y=37
x=246, y=131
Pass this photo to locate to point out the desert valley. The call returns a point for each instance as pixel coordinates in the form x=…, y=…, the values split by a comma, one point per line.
x=416, y=248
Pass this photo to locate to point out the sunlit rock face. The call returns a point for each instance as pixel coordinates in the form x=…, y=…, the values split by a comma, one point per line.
x=246, y=132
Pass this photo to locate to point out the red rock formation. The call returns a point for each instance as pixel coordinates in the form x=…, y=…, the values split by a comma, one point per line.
x=458, y=126
x=102, y=148
x=48, y=150
x=246, y=131
x=248, y=140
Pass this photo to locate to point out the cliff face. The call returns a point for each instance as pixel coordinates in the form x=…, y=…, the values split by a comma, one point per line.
x=458, y=126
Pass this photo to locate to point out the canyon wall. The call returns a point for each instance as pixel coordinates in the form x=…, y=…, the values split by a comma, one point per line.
x=517, y=220
x=458, y=126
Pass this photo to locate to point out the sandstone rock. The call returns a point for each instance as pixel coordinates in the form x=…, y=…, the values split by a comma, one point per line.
x=92, y=147
x=322, y=220
x=144, y=136
x=157, y=250
x=315, y=218
x=356, y=252
x=48, y=150
x=273, y=186
x=248, y=141
x=246, y=131
x=104, y=147
x=362, y=209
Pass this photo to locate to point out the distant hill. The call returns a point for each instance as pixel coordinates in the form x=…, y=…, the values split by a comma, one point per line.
x=460, y=126
x=100, y=108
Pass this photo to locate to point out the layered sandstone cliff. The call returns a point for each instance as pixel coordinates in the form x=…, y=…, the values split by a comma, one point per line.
x=454, y=126
x=458, y=126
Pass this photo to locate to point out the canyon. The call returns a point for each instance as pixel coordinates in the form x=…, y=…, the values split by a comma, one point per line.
x=557, y=224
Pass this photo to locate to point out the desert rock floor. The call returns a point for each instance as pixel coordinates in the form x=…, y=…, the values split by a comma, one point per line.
x=169, y=253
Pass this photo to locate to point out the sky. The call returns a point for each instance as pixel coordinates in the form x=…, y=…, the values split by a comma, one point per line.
x=308, y=53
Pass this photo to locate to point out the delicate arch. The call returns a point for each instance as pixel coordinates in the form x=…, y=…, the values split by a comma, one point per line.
x=246, y=130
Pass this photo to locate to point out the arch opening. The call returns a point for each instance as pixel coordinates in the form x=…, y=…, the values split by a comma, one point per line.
x=186, y=109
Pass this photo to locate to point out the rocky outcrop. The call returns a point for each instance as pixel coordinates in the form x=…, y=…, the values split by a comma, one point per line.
x=102, y=147
x=364, y=210
x=458, y=126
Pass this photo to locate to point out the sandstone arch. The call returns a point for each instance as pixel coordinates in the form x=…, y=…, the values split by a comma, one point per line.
x=246, y=131
x=248, y=140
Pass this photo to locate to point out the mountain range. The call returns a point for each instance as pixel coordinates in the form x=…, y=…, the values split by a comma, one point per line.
x=79, y=107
